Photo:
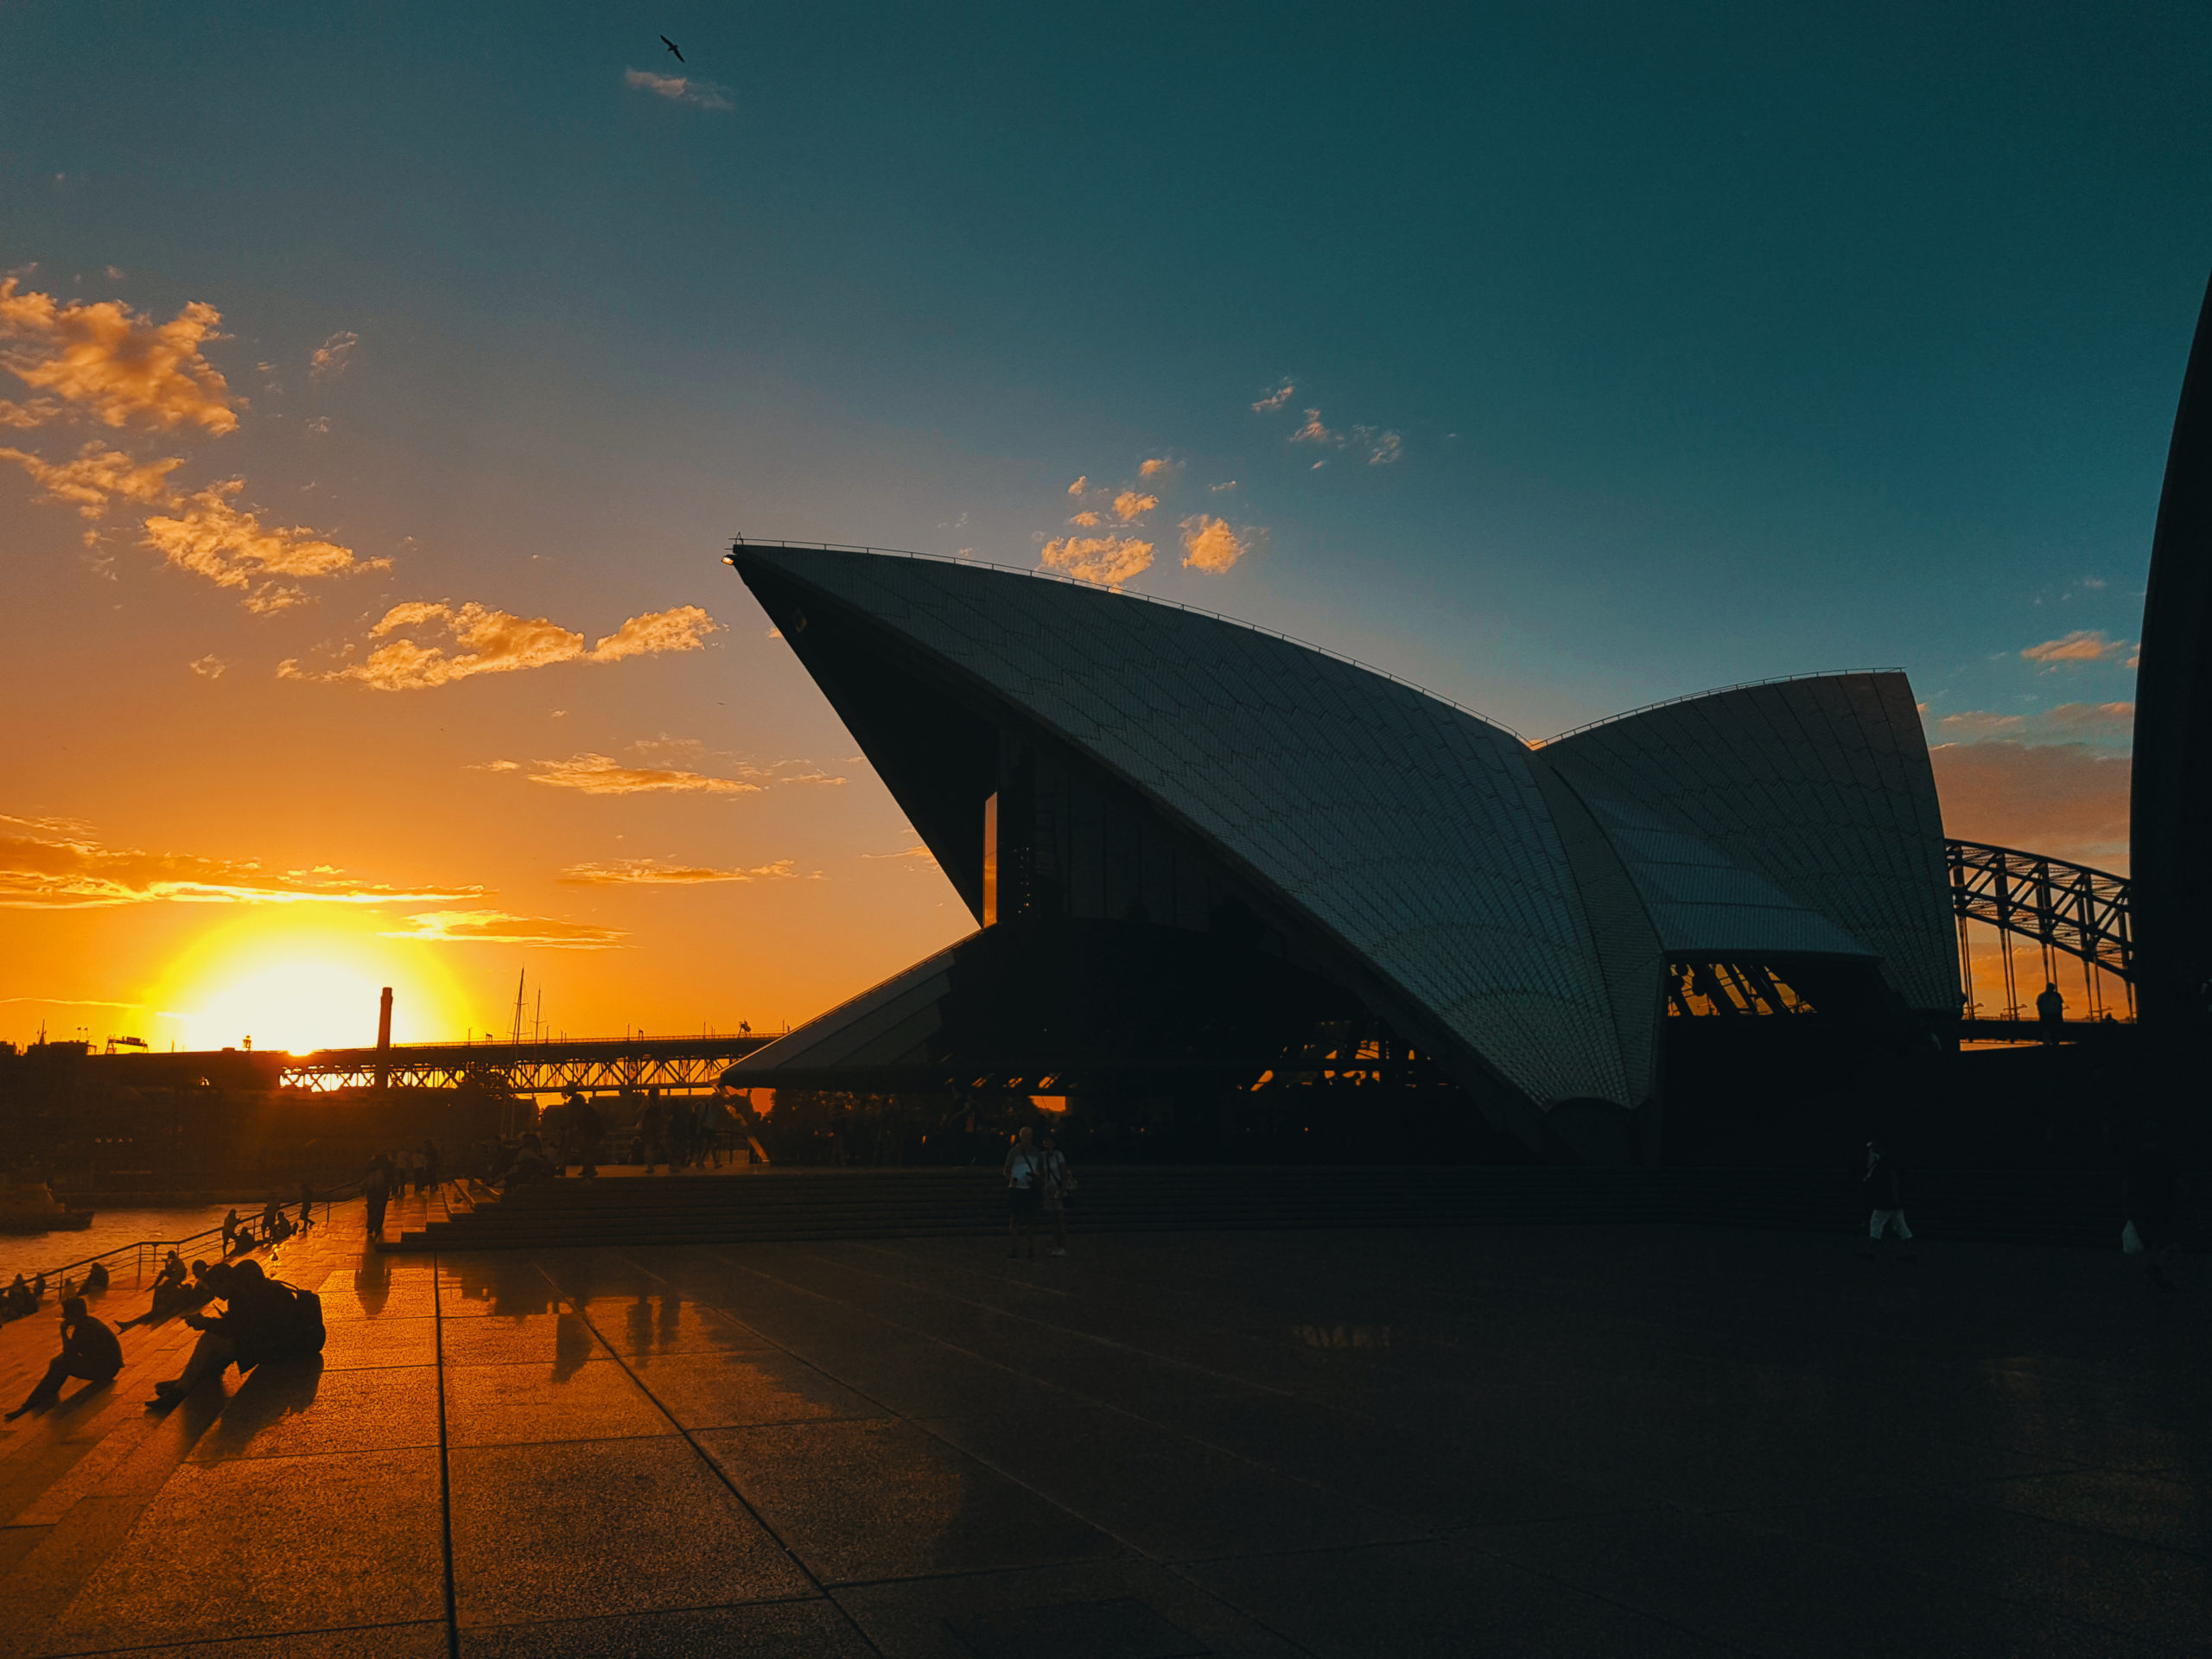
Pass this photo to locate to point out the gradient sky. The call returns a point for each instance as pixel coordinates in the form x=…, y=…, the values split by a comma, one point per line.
x=1563, y=359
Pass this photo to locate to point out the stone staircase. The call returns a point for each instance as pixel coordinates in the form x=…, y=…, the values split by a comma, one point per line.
x=2081, y=1208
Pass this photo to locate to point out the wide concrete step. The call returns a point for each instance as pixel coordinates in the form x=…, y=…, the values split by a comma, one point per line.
x=2056, y=1207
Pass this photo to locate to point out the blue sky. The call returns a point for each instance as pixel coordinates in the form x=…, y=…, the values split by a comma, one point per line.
x=1654, y=352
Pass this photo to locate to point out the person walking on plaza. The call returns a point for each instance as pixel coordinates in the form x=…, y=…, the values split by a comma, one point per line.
x=1025, y=1186
x=2154, y=1199
x=307, y=1205
x=1060, y=1184
x=377, y=1190
x=589, y=1129
x=652, y=1132
x=2051, y=1014
x=1882, y=1190
x=89, y=1350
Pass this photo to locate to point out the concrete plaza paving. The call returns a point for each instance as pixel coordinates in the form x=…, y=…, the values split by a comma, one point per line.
x=1555, y=1441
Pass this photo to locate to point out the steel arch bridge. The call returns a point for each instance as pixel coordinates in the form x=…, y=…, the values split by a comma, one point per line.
x=2063, y=906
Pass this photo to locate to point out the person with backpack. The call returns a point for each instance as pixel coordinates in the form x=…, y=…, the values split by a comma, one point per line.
x=263, y=1319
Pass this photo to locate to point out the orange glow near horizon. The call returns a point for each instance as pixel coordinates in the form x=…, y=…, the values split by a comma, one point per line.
x=300, y=988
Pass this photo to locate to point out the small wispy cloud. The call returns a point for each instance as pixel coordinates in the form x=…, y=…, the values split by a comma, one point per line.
x=332, y=357
x=1080, y=484
x=2083, y=645
x=51, y=864
x=1384, y=447
x=503, y=928
x=1223, y=488
x=680, y=89
x=917, y=856
x=496, y=642
x=1314, y=432
x=653, y=872
x=2069, y=722
x=1130, y=505
x=96, y=476
x=209, y=667
x=1274, y=400
x=600, y=774
x=1158, y=466
x=214, y=537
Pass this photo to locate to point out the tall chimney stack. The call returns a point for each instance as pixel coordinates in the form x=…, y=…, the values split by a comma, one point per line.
x=383, y=1040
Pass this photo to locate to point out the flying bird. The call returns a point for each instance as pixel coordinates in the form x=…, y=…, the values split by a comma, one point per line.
x=670, y=45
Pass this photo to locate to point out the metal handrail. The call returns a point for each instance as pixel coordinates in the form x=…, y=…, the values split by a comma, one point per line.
x=737, y=542
x=342, y=1190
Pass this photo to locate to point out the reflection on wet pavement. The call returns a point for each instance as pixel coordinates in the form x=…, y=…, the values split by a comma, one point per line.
x=1584, y=1440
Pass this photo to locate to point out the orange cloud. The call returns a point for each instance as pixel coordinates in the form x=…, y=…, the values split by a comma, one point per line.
x=1131, y=506
x=1154, y=466
x=1090, y=519
x=97, y=475
x=649, y=872
x=2083, y=645
x=500, y=642
x=115, y=364
x=1208, y=544
x=1274, y=400
x=234, y=549
x=2068, y=800
x=684, y=628
x=1080, y=484
x=1108, y=561
x=209, y=667
x=499, y=927
x=44, y=870
x=599, y=774
x=1314, y=432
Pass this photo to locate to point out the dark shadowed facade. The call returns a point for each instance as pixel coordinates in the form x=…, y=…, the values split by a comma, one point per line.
x=2170, y=833
x=1203, y=856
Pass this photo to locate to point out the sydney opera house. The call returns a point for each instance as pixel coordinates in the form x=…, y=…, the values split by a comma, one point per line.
x=1208, y=862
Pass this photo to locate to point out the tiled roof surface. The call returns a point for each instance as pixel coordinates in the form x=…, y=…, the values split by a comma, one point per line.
x=1408, y=829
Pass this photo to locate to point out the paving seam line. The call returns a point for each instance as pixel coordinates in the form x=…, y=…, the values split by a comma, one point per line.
x=701, y=1452
x=445, y=1464
x=1129, y=1544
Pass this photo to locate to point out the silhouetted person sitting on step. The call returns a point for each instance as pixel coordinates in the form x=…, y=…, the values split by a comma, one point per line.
x=96, y=1278
x=89, y=1350
x=262, y=1320
x=175, y=1292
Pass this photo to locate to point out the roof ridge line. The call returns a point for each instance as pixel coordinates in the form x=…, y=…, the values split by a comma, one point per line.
x=1148, y=599
x=1715, y=691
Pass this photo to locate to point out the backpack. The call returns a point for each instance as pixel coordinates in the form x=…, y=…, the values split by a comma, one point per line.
x=308, y=1333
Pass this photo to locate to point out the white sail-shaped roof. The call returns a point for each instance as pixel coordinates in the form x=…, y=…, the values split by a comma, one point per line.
x=1407, y=830
x=1796, y=817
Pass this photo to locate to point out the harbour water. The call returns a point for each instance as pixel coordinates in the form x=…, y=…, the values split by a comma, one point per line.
x=36, y=1253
